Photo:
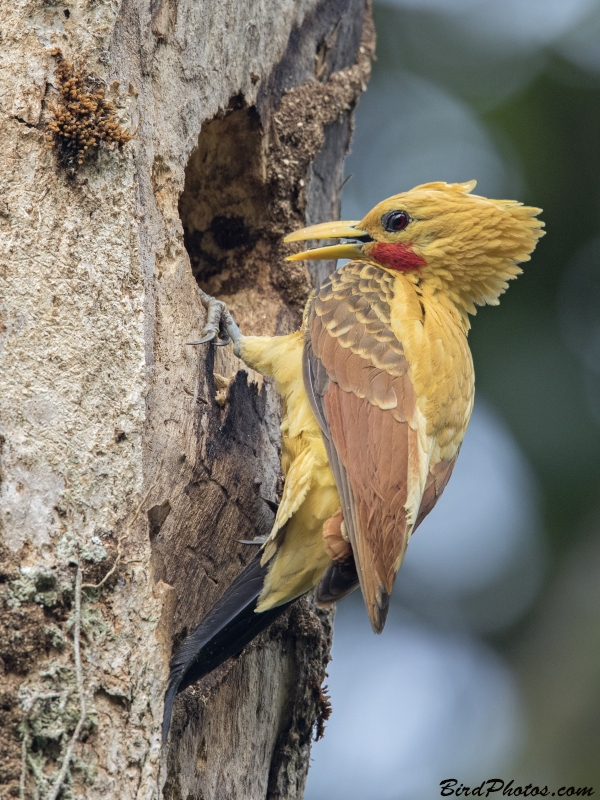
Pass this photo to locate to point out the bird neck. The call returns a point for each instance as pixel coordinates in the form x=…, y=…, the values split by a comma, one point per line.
x=458, y=306
x=436, y=291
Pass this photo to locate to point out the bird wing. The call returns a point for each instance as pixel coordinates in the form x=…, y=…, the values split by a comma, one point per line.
x=358, y=383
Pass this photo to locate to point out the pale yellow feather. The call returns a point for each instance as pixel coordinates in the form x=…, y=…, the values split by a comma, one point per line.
x=470, y=247
x=310, y=495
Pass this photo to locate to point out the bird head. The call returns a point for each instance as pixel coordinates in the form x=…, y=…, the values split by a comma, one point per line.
x=441, y=237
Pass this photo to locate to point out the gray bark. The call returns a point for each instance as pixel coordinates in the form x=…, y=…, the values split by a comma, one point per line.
x=127, y=458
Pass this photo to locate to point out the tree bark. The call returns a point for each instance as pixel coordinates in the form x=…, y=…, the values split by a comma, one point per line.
x=131, y=463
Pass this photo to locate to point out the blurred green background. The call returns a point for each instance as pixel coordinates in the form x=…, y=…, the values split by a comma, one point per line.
x=508, y=93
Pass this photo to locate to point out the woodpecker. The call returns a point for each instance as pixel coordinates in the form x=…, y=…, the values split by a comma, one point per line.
x=377, y=388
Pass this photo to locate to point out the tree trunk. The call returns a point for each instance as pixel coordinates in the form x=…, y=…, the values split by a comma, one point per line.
x=131, y=463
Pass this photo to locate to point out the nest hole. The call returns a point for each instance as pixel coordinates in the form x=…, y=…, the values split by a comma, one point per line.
x=225, y=200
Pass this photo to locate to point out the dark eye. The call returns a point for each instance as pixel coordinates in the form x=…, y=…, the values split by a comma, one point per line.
x=395, y=221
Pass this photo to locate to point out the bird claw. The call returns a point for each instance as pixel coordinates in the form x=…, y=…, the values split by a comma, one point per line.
x=259, y=540
x=212, y=337
x=205, y=339
x=220, y=329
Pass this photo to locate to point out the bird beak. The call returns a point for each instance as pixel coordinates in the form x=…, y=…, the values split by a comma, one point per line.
x=329, y=230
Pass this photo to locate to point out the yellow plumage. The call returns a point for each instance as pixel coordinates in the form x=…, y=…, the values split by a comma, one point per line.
x=309, y=495
x=388, y=336
x=377, y=391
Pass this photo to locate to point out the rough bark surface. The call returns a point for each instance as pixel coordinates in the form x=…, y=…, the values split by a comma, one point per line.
x=128, y=459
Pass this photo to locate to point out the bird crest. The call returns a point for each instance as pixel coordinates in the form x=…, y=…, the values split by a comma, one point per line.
x=456, y=245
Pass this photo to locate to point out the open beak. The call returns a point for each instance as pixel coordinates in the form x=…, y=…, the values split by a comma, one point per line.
x=329, y=230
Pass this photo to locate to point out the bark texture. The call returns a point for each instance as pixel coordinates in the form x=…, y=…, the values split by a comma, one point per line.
x=128, y=459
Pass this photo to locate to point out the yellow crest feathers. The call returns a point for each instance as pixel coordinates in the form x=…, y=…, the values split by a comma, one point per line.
x=471, y=245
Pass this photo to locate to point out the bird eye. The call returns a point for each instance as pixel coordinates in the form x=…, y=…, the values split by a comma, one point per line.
x=395, y=221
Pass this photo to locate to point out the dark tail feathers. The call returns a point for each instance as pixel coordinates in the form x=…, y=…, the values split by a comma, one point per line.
x=225, y=630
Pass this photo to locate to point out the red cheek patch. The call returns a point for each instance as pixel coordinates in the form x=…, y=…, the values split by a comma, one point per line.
x=396, y=256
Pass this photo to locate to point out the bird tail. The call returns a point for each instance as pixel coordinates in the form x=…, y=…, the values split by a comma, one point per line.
x=225, y=631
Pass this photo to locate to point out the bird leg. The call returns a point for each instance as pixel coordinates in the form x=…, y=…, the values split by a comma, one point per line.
x=335, y=541
x=220, y=328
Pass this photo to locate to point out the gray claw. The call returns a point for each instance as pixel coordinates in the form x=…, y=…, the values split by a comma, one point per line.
x=208, y=338
x=258, y=540
x=220, y=324
x=222, y=342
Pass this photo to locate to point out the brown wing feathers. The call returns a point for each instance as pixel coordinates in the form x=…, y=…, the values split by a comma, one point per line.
x=364, y=403
x=372, y=446
x=438, y=477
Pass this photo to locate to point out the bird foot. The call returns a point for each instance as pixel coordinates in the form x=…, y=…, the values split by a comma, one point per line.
x=220, y=328
x=335, y=541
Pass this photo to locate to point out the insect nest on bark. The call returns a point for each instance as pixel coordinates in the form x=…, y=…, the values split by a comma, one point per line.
x=82, y=117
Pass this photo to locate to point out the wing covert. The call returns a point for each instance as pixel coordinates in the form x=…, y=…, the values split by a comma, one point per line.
x=357, y=379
